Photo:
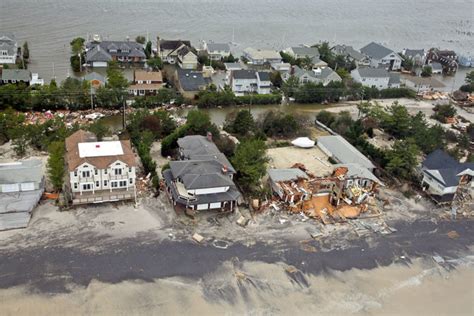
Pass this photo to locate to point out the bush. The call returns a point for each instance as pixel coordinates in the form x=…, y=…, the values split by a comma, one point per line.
x=392, y=93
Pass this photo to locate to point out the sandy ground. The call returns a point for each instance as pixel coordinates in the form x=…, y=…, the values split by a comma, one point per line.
x=256, y=288
x=286, y=157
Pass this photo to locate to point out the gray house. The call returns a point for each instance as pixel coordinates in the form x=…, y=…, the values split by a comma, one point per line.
x=217, y=51
x=8, y=48
x=350, y=53
x=190, y=82
x=319, y=75
x=202, y=180
x=381, y=55
x=15, y=76
x=99, y=54
x=340, y=150
x=21, y=187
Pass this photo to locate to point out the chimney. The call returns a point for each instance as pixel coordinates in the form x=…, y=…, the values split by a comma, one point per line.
x=224, y=169
x=209, y=136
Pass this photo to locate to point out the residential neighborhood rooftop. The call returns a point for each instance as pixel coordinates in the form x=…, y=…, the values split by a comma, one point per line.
x=375, y=50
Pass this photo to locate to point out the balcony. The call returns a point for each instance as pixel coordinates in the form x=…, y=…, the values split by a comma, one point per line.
x=118, y=176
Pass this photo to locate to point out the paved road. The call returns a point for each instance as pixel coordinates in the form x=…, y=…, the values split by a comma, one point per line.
x=50, y=270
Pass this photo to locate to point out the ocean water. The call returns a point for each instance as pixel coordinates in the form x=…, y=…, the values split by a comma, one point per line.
x=49, y=25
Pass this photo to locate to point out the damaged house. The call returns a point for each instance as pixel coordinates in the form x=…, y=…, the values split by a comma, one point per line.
x=21, y=188
x=202, y=179
x=343, y=194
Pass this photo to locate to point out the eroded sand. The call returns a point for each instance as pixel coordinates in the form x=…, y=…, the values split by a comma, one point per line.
x=266, y=289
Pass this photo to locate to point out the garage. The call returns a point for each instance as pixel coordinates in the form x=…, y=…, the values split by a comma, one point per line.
x=215, y=205
x=10, y=187
x=27, y=186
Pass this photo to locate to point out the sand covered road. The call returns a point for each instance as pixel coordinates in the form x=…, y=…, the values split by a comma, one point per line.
x=256, y=288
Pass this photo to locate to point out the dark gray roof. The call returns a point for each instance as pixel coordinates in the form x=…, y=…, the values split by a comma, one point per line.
x=347, y=51
x=197, y=147
x=277, y=175
x=264, y=75
x=173, y=44
x=444, y=167
x=16, y=74
x=343, y=151
x=375, y=50
x=97, y=54
x=124, y=49
x=244, y=74
x=394, y=78
x=185, y=50
x=24, y=171
x=368, y=72
x=192, y=80
x=231, y=195
x=200, y=174
x=212, y=47
x=8, y=43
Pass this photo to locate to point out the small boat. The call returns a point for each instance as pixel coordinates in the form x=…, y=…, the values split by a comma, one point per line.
x=96, y=38
x=303, y=142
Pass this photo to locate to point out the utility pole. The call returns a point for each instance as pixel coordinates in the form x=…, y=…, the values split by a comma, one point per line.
x=123, y=110
x=92, y=99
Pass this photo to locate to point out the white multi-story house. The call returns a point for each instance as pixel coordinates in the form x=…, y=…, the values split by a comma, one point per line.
x=187, y=59
x=318, y=75
x=8, y=48
x=381, y=55
x=376, y=77
x=250, y=81
x=99, y=171
x=442, y=176
x=217, y=51
x=202, y=179
x=261, y=56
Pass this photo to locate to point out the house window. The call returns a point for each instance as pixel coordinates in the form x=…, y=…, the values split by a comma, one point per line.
x=114, y=184
x=105, y=183
x=123, y=183
x=97, y=184
x=129, y=169
x=75, y=173
x=75, y=185
x=96, y=172
x=118, y=172
x=86, y=174
x=131, y=180
x=86, y=187
x=106, y=171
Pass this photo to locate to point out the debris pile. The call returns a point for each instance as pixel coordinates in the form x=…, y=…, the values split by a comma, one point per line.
x=346, y=194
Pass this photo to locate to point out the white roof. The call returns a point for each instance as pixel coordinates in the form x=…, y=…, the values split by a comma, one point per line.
x=262, y=53
x=100, y=149
x=303, y=142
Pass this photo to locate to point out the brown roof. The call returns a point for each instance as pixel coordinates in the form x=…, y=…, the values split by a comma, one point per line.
x=148, y=75
x=145, y=86
x=73, y=159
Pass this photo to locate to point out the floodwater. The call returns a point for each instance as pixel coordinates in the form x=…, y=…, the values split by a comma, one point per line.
x=49, y=25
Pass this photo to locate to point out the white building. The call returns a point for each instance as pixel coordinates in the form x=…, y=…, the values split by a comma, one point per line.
x=376, y=77
x=250, y=81
x=442, y=175
x=217, y=51
x=261, y=56
x=99, y=171
x=187, y=59
x=8, y=48
x=381, y=55
x=318, y=75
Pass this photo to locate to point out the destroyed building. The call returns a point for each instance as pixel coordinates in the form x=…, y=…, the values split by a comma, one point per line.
x=21, y=187
x=346, y=193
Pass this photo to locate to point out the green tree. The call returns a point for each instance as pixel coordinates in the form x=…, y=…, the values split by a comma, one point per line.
x=402, y=159
x=470, y=77
x=275, y=78
x=426, y=71
x=19, y=140
x=325, y=52
x=77, y=53
x=155, y=63
x=56, y=164
x=444, y=111
x=250, y=162
x=26, y=51
x=148, y=49
x=326, y=117
x=9, y=120
x=99, y=129
x=140, y=39
x=290, y=86
x=242, y=124
x=397, y=123
x=116, y=83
